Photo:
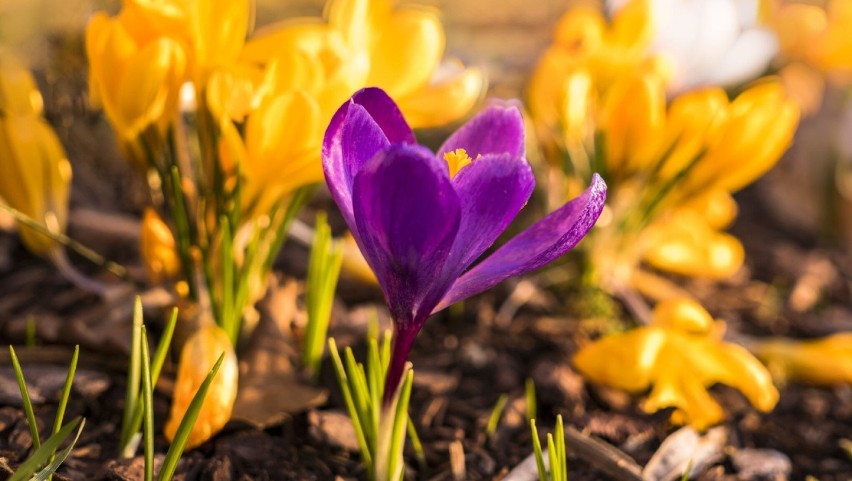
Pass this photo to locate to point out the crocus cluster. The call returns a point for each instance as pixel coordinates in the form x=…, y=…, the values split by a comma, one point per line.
x=422, y=219
x=227, y=127
x=599, y=97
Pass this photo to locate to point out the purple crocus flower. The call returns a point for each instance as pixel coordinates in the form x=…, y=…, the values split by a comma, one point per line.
x=421, y=223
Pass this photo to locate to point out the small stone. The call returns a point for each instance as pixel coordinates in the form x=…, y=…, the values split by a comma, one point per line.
x=762, y=465
x=333, y=428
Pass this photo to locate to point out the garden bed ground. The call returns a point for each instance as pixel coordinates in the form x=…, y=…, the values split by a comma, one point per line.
x=464, y=360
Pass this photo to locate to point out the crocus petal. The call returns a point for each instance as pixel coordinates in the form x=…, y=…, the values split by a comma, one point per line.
x=541, y=243
x=496, y=130
x=365, y=124
x=492, y=190
x=407, y=213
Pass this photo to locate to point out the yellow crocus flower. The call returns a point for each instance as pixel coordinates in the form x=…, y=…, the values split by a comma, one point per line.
x=197, y=357
x=824, y=362
x=598, y=99
x=678, y=356
x=36, y=173
x=157, y=246
x=369, y=43
x=134, y=74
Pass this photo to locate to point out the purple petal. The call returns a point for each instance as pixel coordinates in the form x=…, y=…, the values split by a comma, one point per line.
x=492, y=190
x=364, y=125
x=541, y=243
x=407, y=212
x=498, y=129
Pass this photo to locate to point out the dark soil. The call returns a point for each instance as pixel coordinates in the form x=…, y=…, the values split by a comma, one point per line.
x=465, y=359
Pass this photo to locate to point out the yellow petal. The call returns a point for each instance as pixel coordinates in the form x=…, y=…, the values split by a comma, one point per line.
x=36, y=177
x=18, y=92
x=444, y=100
x=157, y=247
x=407, y=50
x=683, y=314
x=354, y=263
x=197, y=358
x=678, y=357
x=220, y=30
x=149, y=91
x=823, y=362
x=632, y=119
x=685, y=244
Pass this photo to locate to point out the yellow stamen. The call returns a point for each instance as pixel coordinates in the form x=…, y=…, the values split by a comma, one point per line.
x=456, y=160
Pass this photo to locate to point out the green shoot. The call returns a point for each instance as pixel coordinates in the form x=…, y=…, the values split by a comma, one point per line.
x=556, y=453
x=529, y=390
x=379, y=428
x=416, y=445
x=175, y=451
x=129, y=448
x=63, y=399
x=496, y=414
x=46, y=451
x=148, y=407
x=30, y=332
x=25, y=398
x=323, y=270
x=131, y=394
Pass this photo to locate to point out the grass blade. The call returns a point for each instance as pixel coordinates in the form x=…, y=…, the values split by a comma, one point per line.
x=66, y=392
x=148, y=407
x=186, y=424
x=131, y=394
x=529, y=388
x=343, y=382
x=539, y=456
x=496, y=414
x=43, y=453
x=57, y=460
x=400, y=421
x=25, y=398
x=416, y=445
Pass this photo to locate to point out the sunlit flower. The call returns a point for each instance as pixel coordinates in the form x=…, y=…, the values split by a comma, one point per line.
x=671, y=163
x=678, y=356
x=197, y=358
x=825, y=362
x=420, y=228
x=815, y=46
x=134, y=73
x=369, y=42
x=708, y=42
x=36, y=174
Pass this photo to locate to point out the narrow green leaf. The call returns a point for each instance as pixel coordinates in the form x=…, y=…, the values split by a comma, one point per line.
x=66, y=393
x=496, y=414
x=416, y=445
x=131, y=394
x=554, y=458
x=323, y=271
x=562, y=467
x=57, y=460
x=529, y=388
x=42, y=454
x=539, y=456
x=400, y=421
x=30, y=333
x=148, y=405
x=229, y=318
x=186, y=424
x=343, y=382
x=25, y=398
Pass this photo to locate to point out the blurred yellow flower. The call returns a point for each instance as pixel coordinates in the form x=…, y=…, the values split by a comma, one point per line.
x=815, y=46
x=36, y=174
x=678, y=356
x=197, y=357
x=823, y=362
x=370, y=43
x=157, y=246
x=598, y=100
